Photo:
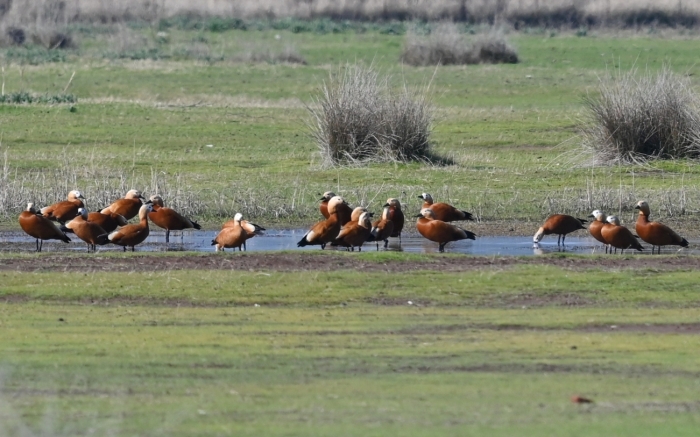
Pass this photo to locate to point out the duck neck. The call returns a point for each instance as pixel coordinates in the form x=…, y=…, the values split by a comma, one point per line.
x=643, y=218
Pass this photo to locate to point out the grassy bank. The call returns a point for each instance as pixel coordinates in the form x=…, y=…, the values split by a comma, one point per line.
x=222, y=137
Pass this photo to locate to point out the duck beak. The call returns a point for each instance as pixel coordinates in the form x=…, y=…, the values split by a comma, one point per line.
x=637, y=207
x=385, y=205
x=418, y=215
x=148, y=202
x=421, y=197
x=590, y=216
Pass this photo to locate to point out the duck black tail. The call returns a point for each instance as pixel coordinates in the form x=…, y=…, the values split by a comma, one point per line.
x=195, y=224
x=468, y=215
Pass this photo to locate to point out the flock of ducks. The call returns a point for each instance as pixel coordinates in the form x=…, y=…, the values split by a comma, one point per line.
x=614, y=236
x=110, y=225
x=351, y=228
x=342, y=225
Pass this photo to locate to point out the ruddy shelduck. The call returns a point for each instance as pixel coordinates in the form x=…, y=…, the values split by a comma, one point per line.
x=596, y=225
x=444, y=211
x=618, y=236
x=133, y=234
x=323, y=206
x=343, y=210
x=251, y=228
x=128, y=206
x=65, y=210
x=396, y=216
x=108, y=222
x=440, y=231
x=355, y=233
x=559, y=224
x=168, y=218
x=655, y=233
x=324, y=231
x=354, y=219
x=40, y=227
x=232, y=235
x=88, y=231
x=383, y=228
x=357, y=212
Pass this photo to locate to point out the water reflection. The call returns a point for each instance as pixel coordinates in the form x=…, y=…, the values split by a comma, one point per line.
x=286, y=239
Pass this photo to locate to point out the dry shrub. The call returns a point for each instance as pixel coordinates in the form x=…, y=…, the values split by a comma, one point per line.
x=493, y=48
x=640, y=117
x=446, y=45
x=358, y=118
x=43, y=22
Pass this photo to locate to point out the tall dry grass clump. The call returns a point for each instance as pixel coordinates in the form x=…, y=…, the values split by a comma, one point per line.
x=446, y=45
x=636, y=118
x=359, y=118
x=40, y=22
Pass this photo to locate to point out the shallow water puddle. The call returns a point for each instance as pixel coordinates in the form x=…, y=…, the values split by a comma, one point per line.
x=274, y=240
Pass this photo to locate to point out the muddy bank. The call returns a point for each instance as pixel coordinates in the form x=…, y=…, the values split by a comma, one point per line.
x=329, y=261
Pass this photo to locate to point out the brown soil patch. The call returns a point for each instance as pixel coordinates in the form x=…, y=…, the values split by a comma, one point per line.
x=336, y=261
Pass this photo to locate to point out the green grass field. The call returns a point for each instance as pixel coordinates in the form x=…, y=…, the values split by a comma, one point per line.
x=249, y=353
x=511, y=129
x=494, y=350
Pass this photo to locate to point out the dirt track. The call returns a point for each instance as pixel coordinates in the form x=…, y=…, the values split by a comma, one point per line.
x=332, y=261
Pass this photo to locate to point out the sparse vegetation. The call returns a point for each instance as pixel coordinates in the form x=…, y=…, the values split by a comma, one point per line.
x=446, y=45
x=25, y=97
x=359, y=118
x=637, y=117
x=33, y=55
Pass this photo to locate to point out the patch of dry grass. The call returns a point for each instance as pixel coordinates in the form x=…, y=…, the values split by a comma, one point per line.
x=557, y=13
x=446, y=45
x=637, y=117
x=358, y=118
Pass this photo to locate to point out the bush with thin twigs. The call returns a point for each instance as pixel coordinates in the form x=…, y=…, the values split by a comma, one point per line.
x=636, y=118
x=493, y=48
x=43, y=22
x=358, y=118
x=446, y=45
